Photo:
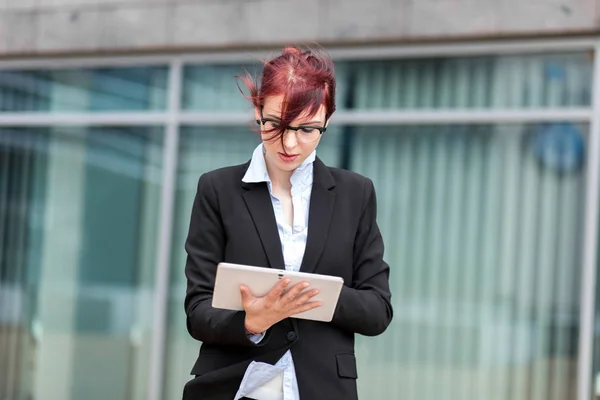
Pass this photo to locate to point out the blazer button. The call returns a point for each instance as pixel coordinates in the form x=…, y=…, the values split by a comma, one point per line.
x=292, y=336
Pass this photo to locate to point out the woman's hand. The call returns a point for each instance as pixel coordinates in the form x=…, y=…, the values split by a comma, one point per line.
x=264, y=312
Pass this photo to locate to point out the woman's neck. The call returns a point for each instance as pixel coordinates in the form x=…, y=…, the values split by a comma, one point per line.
x=280, y=179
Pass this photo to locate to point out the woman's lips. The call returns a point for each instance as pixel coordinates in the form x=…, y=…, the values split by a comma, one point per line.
x=287, y=158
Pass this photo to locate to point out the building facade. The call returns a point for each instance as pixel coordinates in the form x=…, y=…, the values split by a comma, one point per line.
x=479, y=123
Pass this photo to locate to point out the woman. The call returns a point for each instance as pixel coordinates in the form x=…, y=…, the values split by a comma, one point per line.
x=285, y=208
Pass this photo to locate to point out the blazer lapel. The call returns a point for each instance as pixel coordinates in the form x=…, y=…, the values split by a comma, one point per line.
x=258, y=201
x=322, y=200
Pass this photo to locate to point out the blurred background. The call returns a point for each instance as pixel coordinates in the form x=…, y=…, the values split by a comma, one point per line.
x=478, y=121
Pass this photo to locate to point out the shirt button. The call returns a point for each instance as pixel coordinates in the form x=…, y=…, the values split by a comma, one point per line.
x=292, y=336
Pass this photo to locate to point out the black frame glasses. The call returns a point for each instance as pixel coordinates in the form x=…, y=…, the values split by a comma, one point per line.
x=321, y=129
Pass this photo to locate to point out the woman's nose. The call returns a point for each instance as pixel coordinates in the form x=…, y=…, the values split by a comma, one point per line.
x=289, y=139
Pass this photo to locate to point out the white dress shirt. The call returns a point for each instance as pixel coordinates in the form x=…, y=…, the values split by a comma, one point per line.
x=264, y=381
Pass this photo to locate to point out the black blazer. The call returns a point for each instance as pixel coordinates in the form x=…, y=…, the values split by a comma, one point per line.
x=234, y=222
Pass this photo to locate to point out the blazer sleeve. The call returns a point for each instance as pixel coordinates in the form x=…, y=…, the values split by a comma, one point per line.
x=205, y=246
x=365, y=306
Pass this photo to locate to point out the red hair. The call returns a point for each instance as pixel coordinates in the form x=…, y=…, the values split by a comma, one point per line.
x=305, y=78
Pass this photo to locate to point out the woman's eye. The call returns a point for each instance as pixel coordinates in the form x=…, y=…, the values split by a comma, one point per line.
x=271, y=124
x=308, y=130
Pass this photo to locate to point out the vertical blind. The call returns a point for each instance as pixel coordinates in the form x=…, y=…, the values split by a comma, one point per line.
x=525, y=81
x=482, y=224
x=22, y=160
x=483, y=243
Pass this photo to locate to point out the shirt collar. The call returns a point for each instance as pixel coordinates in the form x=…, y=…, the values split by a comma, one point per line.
x=257, y=170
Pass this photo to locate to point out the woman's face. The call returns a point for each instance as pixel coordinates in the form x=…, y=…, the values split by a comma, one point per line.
x=287, y=156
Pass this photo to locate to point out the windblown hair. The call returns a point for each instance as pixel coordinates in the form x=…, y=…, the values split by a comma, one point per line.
x=306, y=79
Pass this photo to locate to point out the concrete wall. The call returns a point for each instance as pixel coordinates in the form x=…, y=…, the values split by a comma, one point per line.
x=57, y=26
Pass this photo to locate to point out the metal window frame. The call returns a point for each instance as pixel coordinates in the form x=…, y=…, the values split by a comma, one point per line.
x=585, y=361
x=381, y=117
x=162, y=273
x=236, y=118
x=173, y=118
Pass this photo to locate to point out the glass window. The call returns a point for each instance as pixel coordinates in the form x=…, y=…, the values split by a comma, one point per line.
x=78, y=231
x=481, y=225
x=79, y=90
x=487, y=82
x=202, y=149
x=214, y=88
x=523, y=81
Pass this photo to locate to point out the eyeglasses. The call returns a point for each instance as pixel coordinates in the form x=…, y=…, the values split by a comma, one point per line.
x=305, y=133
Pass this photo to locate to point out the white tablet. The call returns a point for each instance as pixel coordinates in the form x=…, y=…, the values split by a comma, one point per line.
x=261, y=280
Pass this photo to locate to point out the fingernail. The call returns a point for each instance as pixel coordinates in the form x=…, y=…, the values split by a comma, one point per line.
x=286, y=281
x=305, y=284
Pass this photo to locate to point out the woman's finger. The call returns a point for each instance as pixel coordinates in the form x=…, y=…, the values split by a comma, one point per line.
x=294, y=292
x=277, y=290
x=305, y=307
x=305, y=297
